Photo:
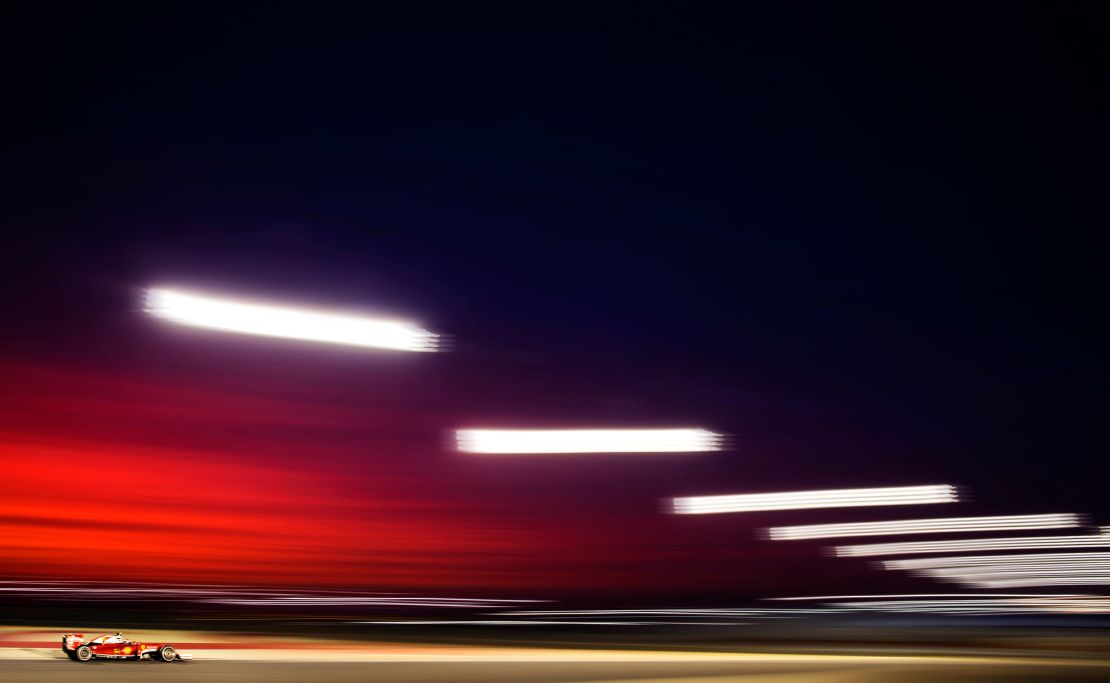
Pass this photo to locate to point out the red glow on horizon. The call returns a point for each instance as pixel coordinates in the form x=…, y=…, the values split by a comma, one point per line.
x=142, y=478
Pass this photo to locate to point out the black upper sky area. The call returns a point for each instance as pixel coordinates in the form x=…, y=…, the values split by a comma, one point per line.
x=867, y=240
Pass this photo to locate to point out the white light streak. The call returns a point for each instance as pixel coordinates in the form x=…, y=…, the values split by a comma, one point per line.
x=819, y=598
x=705, y=612
x=587, y=440
x=1033, y=559
x=924, y=526
x=973, y=545
x=1017, y=605
x=1002, y=573
x=1003, y=570
x=1030, y=581
x=534, y=622
x=966, y=603
x=802, y=500
x=268, y=320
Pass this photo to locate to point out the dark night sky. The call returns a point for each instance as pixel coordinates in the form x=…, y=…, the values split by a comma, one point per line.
x=867, y=241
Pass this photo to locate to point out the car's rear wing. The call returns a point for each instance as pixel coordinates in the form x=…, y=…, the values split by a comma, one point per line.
x=71, y=640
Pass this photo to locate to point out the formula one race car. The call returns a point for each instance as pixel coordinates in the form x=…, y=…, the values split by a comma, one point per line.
x=116, y=647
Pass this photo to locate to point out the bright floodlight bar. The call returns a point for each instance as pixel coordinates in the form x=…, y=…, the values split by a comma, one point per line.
x=1014, y=572
x=973, y=545
x=826, y=598
x=587, y=440
x=964, y=603
x=1048, y=581
x=802, y=500
x=948, y=525
x=267, y=320
x=1063, y=603
x=1032, y=559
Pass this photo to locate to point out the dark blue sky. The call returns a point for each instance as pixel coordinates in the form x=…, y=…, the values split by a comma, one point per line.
x=866, y=240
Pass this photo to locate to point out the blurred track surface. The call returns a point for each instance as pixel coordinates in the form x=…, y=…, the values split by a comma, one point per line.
x=36, y=665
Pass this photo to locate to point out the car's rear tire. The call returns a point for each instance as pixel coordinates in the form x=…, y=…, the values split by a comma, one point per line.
x=167, y=654
x=83, y=653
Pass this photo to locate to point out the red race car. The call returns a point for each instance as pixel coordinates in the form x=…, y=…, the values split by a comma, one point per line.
x=116, y=647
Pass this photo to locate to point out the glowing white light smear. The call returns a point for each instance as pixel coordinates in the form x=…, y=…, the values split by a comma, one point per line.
x=924, y=526
x=1033, y=559
x=802, y=500
x=818, y=598
x=287, y=323
x=972, y=545
x=1026, y=582
x=1018, y=605
x=586, y=440
x=504, y=622
x=681, y=612
x=1013, y=571
x=1023, y=579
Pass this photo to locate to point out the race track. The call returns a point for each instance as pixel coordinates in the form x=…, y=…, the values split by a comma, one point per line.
x=629, y=667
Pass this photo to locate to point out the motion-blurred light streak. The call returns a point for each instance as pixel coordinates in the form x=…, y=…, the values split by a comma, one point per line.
x=586, y=440
x=1004, y=570
x=989, y=575
x=1016, y=605
x=924, y=526
x=1013, y=578
x=268, y=320
x=1032, y=559
x=965, y=603
x=804, y=500
x=890, y=596
x=1033, y=581
x=516, y=622
x=706, y=612
x=973, y=545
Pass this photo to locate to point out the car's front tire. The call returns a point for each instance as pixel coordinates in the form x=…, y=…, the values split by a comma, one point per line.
x=167, y=654
x=83, y=653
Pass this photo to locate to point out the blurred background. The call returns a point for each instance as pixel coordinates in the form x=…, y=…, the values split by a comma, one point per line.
x=857, y=246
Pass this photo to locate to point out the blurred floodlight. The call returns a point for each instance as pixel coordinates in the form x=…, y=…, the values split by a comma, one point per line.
x=1032, y=581
x=973, y=545
x=988, y=572
x=267, y=320
x=801, y=500
x=948, y=525
x=586, y=440
x=1093, y=604
x=825, y=598
x=966, y=603
x=693, y=616
x=1028, y=560
x=513, y=622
